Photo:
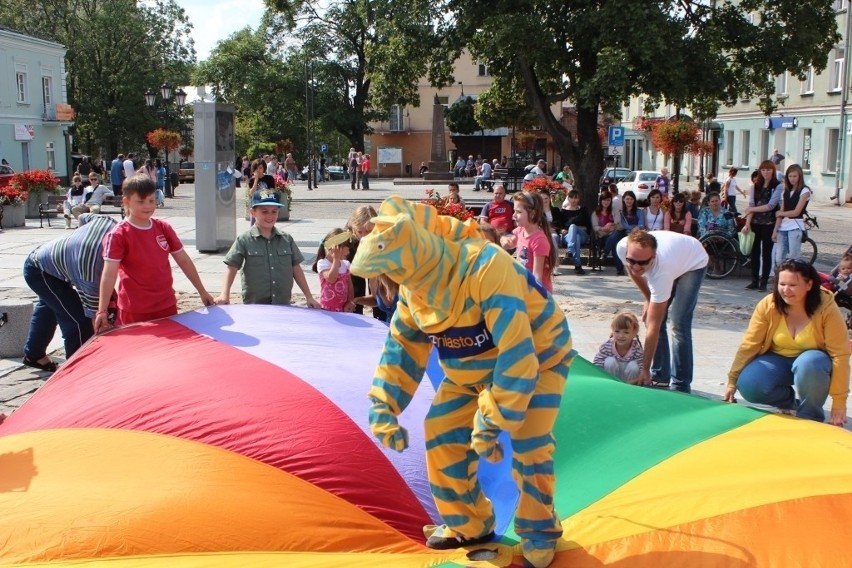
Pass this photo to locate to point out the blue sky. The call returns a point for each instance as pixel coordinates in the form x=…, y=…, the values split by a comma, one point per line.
x=214, y=20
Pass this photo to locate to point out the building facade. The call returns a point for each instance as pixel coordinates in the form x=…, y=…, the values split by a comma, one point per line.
x=811, y=127
x=34, y=114
x=400, y=145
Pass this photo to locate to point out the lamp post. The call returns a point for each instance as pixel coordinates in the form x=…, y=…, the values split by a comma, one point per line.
x=161, y=108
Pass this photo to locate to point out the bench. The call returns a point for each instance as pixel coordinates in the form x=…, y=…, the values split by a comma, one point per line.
x=111, y=206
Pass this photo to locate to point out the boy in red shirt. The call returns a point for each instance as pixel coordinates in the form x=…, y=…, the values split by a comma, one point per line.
x=138, y=251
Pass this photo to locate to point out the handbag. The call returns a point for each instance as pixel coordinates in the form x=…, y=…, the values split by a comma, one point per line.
x=746, y=242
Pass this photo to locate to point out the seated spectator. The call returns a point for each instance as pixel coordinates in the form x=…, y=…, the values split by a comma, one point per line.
x=577, y=226
x=458, y=170
x=616, y=199
x=840, y=278
x=795, y=352
x=678, y=218
x=655, y=217
x=622, y=355
x=73, y=199
x=631, y=215
x=714, y=218
x=470, y=167
x=606, y=224
x=498, y=212
x=484, y=175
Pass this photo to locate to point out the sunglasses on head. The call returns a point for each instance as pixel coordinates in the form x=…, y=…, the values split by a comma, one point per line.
x=633, y=261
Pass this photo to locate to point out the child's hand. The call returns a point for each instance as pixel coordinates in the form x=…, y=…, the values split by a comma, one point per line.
x=207, y=299
x=312, y=303
x=222, y=299
x=101, y=323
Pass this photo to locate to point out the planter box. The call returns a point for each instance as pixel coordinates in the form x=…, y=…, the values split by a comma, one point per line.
x=14, y=216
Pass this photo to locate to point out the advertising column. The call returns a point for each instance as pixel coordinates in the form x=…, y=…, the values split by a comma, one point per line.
x=215, y=191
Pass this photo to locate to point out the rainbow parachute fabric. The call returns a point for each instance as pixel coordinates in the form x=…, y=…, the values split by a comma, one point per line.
x=238, y=436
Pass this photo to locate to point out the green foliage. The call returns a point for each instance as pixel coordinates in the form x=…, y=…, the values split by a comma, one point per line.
x=460, y=116
x=503, y=104
x=259, y=149
x=599, y=53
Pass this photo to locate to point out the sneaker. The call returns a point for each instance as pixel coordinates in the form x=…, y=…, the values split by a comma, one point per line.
x=752, y=286
x=438, y=542
x=579, y=270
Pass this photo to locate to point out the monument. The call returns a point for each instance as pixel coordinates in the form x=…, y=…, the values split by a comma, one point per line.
x=215, y=191
x=439, y=167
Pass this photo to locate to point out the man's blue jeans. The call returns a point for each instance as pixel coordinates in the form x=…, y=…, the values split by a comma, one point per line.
x=610, y=242
x=58, y=302
x=575, y=238
x=478, y=180
x=770, y=378
x=681, y=307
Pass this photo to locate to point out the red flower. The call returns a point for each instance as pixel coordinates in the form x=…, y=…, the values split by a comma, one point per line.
x=163, y=139
x=35, y=181
x=446, y=208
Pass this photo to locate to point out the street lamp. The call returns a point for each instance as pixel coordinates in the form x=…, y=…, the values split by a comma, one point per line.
x=164, y=116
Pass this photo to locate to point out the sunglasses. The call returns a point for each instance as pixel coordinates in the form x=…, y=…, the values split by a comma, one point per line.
x=634, y=262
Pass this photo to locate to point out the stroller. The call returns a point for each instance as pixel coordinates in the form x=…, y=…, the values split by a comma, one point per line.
x=842, y=291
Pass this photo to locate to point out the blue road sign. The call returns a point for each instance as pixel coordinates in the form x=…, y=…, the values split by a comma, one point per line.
x=323, y=147
x=616, y=136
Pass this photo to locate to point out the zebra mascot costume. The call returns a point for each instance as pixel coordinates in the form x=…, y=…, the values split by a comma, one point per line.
x=504, y=347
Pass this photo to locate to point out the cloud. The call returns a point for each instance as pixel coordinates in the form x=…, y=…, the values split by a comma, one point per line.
x=214, y=21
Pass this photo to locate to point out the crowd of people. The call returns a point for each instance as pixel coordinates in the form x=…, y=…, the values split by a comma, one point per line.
x=794, y=355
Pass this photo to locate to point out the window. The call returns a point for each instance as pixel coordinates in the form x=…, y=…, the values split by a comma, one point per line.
x=840, y=5
x=764, y=143
x=51, y=156
x=729, y=147
x=627, y=111
x=745, y=140
x=781, y=84
x=444, y=101
x=806, y=149
x=808, y=82
x=47, y=89
x=21, y=83
x=832, y=136
x=483, y=70
x=395, y=120
x=837, y=70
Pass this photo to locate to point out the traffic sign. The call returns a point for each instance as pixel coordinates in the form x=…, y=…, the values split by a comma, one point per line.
x=615, y=150
x=616, y=136
x=323, y=147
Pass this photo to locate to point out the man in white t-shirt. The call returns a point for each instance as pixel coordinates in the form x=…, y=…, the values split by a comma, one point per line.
x=129, y=167
x=668, y=269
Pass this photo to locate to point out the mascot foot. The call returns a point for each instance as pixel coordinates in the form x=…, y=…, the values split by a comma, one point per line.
x=538, y=557
x=443, y=538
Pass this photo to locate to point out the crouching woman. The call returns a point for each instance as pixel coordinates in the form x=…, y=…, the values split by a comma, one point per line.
x=795, y=352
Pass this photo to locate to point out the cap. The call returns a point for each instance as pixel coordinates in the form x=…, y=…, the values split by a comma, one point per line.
x=266, y=197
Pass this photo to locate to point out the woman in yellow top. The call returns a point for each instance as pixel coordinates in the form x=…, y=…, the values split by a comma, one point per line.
x=796, y=342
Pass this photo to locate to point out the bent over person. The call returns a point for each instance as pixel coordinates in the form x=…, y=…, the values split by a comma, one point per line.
x=504, y=347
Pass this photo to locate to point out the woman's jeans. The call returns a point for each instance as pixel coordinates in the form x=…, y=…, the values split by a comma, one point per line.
x=610, y=242
x=774, y=380
x=761, y=265
x=789, y=245
x=681, y=307
x=574, y=239
x=732, y=203
x=58, y=302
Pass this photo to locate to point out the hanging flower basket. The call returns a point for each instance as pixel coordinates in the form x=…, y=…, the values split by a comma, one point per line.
x=674, y=136
x=701, y=147
x=163, y=139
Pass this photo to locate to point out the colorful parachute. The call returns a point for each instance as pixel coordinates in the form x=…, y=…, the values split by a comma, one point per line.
x=238, y=436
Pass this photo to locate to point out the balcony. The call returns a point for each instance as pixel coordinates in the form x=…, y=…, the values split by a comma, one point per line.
x=58, y=112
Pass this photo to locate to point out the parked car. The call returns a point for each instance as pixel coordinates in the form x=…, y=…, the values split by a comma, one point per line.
x=186, y=172
x=6, y=175
x=614, y=175
x=337, y=173
x=640, y=182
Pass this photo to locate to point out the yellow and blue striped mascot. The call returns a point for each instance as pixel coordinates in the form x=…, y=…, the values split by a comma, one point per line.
x=504, y=347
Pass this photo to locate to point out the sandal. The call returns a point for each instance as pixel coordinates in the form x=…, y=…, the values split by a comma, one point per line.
x=658, y=385
x=49, y=367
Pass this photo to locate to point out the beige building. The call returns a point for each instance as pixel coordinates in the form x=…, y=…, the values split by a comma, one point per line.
x=400, y=145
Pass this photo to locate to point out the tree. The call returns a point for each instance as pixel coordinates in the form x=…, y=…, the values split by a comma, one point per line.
x=367, y=55
x=587, y=52
x=116, y=50
x=460, y=116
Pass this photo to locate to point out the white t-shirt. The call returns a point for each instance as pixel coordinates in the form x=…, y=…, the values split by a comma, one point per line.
x=676, y=255
x=788, y=224
x=731, y=186
x=129, y=170
x=654, y=222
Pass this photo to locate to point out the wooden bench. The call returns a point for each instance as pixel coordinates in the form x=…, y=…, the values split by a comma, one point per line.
x=111, y=206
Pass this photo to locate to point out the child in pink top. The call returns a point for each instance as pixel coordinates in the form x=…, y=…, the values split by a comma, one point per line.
x=531, y=239
x=336, y=292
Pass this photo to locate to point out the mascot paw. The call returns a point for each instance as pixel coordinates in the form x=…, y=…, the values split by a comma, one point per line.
x=385, y=427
